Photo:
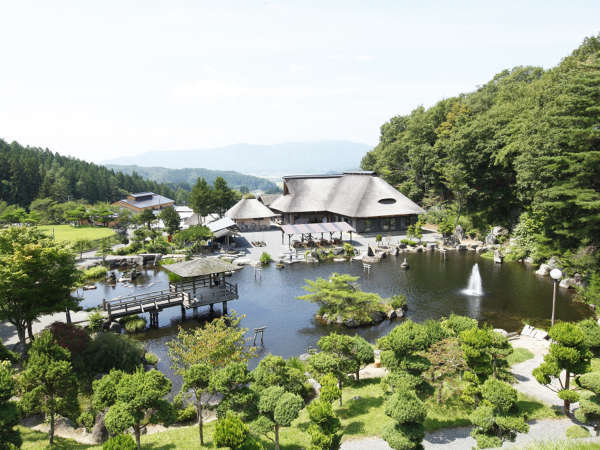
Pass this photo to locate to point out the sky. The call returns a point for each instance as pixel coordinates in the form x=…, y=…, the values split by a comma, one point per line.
x=101, y=79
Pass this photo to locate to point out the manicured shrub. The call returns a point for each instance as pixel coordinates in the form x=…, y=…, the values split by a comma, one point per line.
x=94, y=273
x=495, y=419
x=409, y=414
x=95, y=321
x=399, y=301
x=187, y=414
x=9, y=412
x=151, y=358
x=589, y=402
x=86, y=420
x=591, y=331
x=230, y=431
x=133, y=324
x=378, y=238
x=457, y=324
x=265, y=258
x=120, y=442
x=109, y=351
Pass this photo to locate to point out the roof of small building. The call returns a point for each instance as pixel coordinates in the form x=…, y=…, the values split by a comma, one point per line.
x=156, y=200
x=267, y=199
x=221, y=224
x=200, y=267
x=249, y=208
x=352, y=194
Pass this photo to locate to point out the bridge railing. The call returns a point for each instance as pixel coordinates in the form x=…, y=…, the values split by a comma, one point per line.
x=136, y=303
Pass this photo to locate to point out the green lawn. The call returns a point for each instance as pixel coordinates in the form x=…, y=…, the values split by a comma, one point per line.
x=519, y=355
x=361, y=415
x=70, y=234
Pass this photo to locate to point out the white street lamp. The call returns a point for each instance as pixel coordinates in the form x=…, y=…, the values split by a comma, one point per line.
x=556, y=275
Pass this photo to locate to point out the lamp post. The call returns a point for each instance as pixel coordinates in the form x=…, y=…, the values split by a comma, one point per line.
x=556, y=275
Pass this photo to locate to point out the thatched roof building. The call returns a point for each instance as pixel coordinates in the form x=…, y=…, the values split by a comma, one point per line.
x=251, y=215
x=362, y=199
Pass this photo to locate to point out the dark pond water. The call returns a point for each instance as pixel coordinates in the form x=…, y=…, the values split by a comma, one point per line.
x=433, y=287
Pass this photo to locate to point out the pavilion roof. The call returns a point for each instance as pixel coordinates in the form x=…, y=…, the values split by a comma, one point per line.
x=324, y=227
x=200, y=267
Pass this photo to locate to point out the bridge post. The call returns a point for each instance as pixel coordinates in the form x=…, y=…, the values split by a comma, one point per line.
x=182, y=312
x=212, y=309
x=224, y=307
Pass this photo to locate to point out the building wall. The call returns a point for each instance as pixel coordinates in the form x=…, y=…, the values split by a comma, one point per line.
x=361, y=225
x=253, y=224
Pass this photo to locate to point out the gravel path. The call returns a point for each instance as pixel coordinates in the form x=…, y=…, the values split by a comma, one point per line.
x=459, y=438
x=526, y=383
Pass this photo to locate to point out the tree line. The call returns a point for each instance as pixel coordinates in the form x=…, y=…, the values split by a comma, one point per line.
x=524, y=146
x=30, y=173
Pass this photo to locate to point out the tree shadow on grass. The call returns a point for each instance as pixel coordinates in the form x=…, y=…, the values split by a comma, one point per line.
x=356, y=427
x=164, y=446
x=353, y=408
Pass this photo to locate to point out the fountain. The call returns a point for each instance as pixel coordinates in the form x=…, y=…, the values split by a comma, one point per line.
x=474, y=288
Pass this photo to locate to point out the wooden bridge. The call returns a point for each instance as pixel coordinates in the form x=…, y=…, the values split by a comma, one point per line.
x=186, y=295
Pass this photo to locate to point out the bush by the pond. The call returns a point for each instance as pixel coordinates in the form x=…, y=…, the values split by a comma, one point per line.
x=133, y=324
x=113, y=351
x=151, y=358
x=399, y=301
x=95, y=321
x=408, y=242
x=120, y=442
x=265, y=258
x=94, y=273
x=86, y=420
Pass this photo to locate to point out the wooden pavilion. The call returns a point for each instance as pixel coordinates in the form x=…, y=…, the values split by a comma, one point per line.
x=204, y=280
x=306, y=230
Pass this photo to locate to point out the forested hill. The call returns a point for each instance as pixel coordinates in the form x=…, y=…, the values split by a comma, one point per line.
x=27, y=173
x=526, y=142
x=189, y=176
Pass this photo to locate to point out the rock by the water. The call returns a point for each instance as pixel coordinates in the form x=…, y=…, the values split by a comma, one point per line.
x=242, y=261
x=339, y=320
x=543, y=270
x=378, y=316
x=568, y=283
x=501, y=331
x=391, y=314
x=451, y=241
x=115, y=327
x=462, y=247
x=338, y=251
x=498, y=257
x=304, y=357
x=494, y=234
x=459, y=232
x=528, y=260
x=351, y=323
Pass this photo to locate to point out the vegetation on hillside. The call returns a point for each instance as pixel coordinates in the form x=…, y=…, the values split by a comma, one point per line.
x=187, y=177
x=522, y=151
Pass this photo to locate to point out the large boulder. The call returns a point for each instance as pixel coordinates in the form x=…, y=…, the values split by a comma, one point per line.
x=451, y=241
x=99, y=432
x=494, y=234
x=459, y=232
x=338, y=251
x=553, y=263
x=378, y=316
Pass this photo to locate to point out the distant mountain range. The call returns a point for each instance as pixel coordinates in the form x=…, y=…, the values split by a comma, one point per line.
x=189, y=176
x=269, y=160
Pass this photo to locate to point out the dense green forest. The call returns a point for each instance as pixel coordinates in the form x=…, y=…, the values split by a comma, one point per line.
x=521, y=151
x=189, y=176
x=28, y=173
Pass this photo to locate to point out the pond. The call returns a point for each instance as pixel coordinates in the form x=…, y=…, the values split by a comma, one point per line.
x=433, y=285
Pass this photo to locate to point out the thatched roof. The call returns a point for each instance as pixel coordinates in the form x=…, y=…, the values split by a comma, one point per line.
x=200, y=267
x=353, y=194
x=249, y=208
x=267, y=199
